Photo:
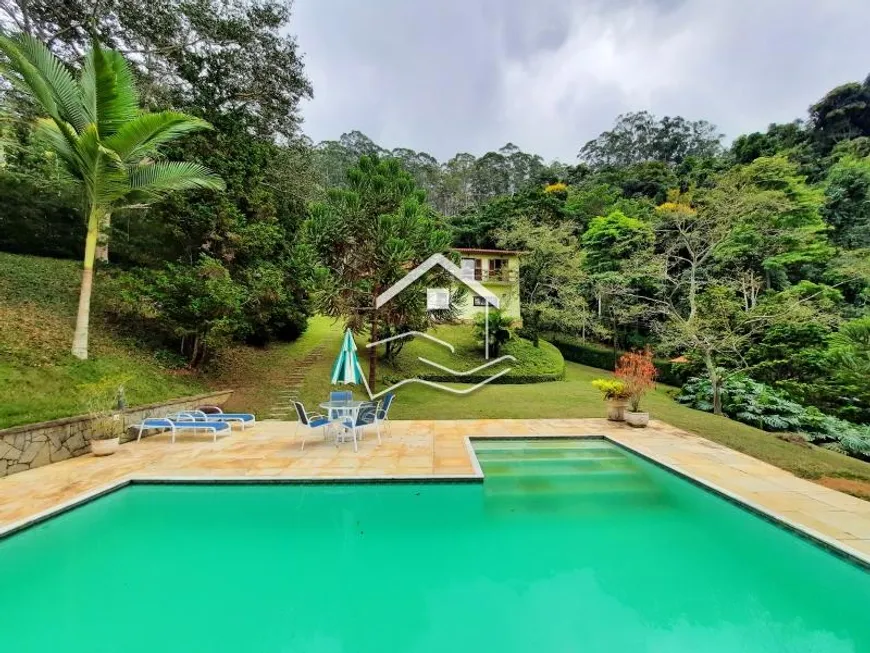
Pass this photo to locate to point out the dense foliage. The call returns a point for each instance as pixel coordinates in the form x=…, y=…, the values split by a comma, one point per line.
x=757, y=404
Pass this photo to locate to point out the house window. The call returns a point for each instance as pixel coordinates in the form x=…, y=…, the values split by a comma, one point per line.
x=479, y=301
x=498, y=268
x=468, y=266
x=437, y=299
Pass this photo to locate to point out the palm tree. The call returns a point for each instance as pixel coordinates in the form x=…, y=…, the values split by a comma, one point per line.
x=103, y=141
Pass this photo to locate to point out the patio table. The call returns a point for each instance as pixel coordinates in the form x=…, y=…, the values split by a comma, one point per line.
x=337, y=410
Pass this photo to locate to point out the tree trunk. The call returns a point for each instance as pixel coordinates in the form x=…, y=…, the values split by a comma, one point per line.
x=83, y=318
x=717, y=396
x=102, y=253
x=693, y=292
x=615, y=344
x=715, y=383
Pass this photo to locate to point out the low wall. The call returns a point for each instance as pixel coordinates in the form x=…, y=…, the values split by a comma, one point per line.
x=34, y=445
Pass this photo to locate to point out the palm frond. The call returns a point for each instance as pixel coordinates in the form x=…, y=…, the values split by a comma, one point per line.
x=145, y=133
x=62, y=139
x=55, y=77
x=24, y=76
x=111, y=89
x=105, y=177
x=153, y=180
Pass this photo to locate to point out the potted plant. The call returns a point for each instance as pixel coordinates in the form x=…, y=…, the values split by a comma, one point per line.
x=105, y=404
x=616, y=395
x=637, y=372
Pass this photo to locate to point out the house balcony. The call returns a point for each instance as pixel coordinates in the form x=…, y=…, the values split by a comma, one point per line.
x=505, y=275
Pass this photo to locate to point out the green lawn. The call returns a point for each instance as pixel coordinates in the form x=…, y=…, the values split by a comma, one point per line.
x=537, y=363
x=258, y=374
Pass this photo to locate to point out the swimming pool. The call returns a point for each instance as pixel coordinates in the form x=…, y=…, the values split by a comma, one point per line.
x=567, y=546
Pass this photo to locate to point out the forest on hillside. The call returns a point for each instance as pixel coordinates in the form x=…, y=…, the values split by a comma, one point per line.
x=749, y=260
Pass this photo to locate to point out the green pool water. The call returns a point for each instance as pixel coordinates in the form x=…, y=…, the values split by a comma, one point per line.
x=567, y=547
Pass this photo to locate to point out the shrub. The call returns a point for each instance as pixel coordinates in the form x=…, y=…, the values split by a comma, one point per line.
x=637, y=372
x=757, y=404
x=595, y=355
x=499, y=330
x=611, y=388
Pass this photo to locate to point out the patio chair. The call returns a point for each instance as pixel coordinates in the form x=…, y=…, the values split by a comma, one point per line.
x=214, y=413
x=309, y=422
x=179, y=422
x=365, y=415
x=382, y=411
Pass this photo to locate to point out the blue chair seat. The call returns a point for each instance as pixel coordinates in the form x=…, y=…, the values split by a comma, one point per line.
x=319, y=421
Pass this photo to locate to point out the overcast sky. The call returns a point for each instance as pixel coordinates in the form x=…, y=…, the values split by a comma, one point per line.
x=445, y=76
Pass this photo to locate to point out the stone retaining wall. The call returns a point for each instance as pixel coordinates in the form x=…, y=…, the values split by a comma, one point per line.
x=33, y=445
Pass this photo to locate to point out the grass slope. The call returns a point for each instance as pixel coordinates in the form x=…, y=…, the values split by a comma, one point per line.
x=533, y=363
x=39, y=378
x=259, y=374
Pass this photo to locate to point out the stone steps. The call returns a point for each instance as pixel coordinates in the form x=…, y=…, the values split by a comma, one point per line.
x=283, y=409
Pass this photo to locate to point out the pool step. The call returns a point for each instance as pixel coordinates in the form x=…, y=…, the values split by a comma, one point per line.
x=527, y=474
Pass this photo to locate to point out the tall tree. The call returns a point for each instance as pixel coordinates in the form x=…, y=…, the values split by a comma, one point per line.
x=843, y=113
x=366, y=237
x=640, y=137
x=227, y=56
x=847, y=202
x=551, y=274
x=102, y=140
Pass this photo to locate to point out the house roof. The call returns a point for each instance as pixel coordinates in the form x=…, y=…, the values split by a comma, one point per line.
x=478, y=250
x=423, y=268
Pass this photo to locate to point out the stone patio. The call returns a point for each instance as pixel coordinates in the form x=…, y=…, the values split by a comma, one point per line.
x=421, y=449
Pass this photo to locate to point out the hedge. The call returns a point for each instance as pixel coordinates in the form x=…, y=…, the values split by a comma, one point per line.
x=595, y=355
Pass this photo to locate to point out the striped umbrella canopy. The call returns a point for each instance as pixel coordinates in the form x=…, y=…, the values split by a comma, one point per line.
x=346, y=368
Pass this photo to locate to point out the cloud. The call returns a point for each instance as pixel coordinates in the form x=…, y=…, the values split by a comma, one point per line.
x=548, y=75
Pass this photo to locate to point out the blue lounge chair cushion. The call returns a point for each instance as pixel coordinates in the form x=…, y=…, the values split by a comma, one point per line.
x=156, y=423
x=245, y=417
x=318, y=421
x=217, y=426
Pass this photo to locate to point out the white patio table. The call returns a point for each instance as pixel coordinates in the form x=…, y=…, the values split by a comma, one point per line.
x=338, y=410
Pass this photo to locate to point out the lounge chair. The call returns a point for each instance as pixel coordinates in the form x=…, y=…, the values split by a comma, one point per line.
x=365, y=415
x=309, y=422
x=215, y=414
x=175, y=425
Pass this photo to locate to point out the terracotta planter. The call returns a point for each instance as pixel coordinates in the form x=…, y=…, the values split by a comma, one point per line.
x=638, y=420
x=105, y=447
x=616, y=409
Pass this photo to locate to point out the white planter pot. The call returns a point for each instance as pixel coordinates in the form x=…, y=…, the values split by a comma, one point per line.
x=638, y=420
x=616, y=409
x=105, y=447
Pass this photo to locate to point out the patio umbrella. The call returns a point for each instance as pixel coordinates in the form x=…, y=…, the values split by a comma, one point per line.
x=346, y=368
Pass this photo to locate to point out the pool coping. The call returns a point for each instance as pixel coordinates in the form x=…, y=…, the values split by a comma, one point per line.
x=830, y=544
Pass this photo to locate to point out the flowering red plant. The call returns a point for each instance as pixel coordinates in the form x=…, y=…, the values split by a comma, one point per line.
x=637, y=371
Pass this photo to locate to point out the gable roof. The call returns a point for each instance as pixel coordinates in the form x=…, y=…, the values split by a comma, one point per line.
x=423, y=268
